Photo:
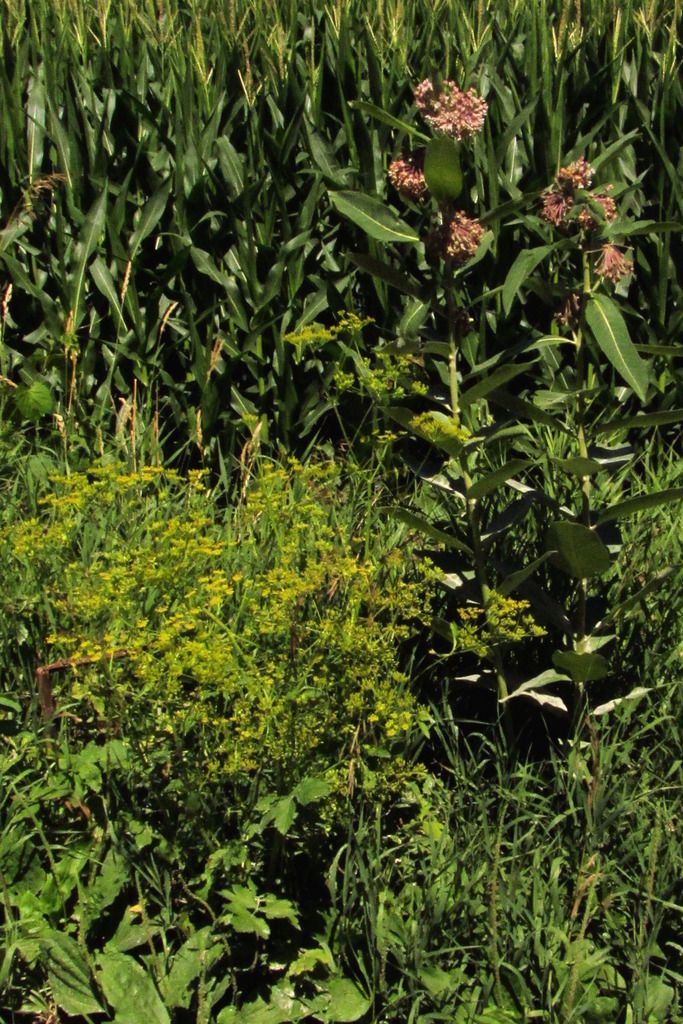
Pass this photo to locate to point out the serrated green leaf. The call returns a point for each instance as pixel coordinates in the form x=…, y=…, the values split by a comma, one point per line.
x=34, y=400
x=285, y=813
x=249, y=924
x=609, y=329
x=195, y=956
x=442, y=170
x=376, y=219
x=580, y=552
x=130, y=990
x=346, y=1002
x=69, y=975
x=309, y=790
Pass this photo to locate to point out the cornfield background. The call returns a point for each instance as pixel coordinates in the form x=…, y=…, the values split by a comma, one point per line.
x=165, y=167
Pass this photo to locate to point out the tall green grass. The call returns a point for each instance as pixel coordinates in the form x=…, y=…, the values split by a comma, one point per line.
x=164, y=169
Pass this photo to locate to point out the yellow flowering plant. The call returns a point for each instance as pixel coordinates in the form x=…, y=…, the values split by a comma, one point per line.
x=262, y=643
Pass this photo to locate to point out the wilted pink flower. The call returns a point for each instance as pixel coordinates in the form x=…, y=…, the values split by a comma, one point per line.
x=451, y=112
x=408, y=179
x=569, y=312
x=556, y=206
x=612, y=264
x=456, y=239
x=560, y=200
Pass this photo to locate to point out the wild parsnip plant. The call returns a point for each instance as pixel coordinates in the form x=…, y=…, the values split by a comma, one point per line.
x=556, y=427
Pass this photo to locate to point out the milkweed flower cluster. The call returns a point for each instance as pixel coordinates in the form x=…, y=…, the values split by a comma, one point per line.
x=408, y=179
x=562, y=208
x=613, y=264
x=456, y=239
x=451, y=112
x=456, y=114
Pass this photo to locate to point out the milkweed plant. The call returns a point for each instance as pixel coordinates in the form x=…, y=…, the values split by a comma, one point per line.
x=529, y=443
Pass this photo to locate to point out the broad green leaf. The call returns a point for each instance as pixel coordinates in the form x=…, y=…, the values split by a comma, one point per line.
x=442, y=169
x=413, y=319
x=308, y=791
x=515, y=579
x=524, y=265
x=492, y=381
x=385, y=272
x=544, y=679
x=232, y=166
x=92, y=230
x=609, y=329
x=376, y=219
x=669, y=351
x=579, y=466
x=544, y=699
x=647, y=419
x=631, y=505
x=34, y=400
x=130, y=990
x=69, y=975
x=149, y=217
x=206, y=265
x=627, y=229
x=582, y=668
x=35, y=118
x=389, y=119
x=610, y=705
x=418, y=523
x=522, y=409
x=485, y=485
x=324, y=159
x=580, y=552
x=130, y=934
x=99, y=271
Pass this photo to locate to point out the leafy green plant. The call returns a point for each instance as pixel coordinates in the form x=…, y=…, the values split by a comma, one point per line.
x=489, y=440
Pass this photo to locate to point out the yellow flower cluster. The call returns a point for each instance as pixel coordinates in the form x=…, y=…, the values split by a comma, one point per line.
x=257, y=639
x=505, y=620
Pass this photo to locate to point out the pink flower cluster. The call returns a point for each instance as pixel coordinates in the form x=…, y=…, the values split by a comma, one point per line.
x=562, y=208
x=612, y=264
x=408, y=179
x=451, y=112
x=456, y=239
